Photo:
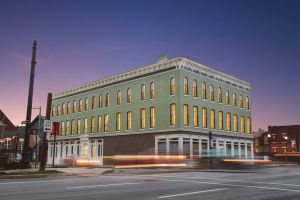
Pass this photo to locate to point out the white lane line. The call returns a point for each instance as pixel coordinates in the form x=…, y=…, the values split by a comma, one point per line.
x=22, y=182
x=190, y=193
x=220, y=179
x=226, y=184
x=106, y=185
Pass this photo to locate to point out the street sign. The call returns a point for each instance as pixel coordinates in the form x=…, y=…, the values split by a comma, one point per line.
x=47, y=126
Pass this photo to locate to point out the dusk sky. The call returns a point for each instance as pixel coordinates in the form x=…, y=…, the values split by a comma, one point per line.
x=83, y=41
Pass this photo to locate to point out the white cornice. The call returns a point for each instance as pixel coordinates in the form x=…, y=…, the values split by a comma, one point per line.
x=178, y=62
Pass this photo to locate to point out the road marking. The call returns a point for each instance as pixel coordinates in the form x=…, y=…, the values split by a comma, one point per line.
x=190, y=193
x=22, y=182
x=226, y=184
x=106, y=185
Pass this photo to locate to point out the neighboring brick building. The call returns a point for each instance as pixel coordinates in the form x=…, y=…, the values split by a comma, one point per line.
x=283, y=138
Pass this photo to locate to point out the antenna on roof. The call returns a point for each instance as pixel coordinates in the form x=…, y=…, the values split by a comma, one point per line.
x=162, y=57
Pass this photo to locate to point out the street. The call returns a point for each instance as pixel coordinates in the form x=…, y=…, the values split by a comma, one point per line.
x=273, y=183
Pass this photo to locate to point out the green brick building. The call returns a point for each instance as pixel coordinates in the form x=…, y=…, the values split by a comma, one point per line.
x=165, y=108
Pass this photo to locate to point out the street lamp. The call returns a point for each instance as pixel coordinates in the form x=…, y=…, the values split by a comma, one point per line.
x=286, y=150
x=269, y=137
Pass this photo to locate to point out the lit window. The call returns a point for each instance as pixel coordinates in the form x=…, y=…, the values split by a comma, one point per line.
x=211, y=93
x=173, y=114
x=100, y=103
x=99, y=123
x=242, y=124
x=62, y=128
x=186, y=86
x=80, y=106
x=234, y=99
x=118, y=97
x=152, y=117
x=241, y=101
x=78, y=126
x=152, y=90
x=69, y=108
x=58, y=110
x=204, y=117
x=247, y=103
x=118, y=121
x=53, y=111
x=85, y=126
x=220, y=120
x=129, y=120
x=185, y=114
x=143, y=92
x=143, y=118
x=220, y=100
x=235, y=123
x=228, y=122
x=93, y=124
x=74, y=106
x=172, y=86
x=93, y=102
x=195, y=90
x=212, y=119
x=128, y=95
x=106, y=123
x=196, y=118
x=248, y=125
x=227, y=98
x=107, y=99
x=63, y=109
x=67, y=127
x=203, y=94
x=86, y=104
x=72, y=127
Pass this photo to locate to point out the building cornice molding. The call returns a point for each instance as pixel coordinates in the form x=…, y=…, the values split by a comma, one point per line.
x=178, y=62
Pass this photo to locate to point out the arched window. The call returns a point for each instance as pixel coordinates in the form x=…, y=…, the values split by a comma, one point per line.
x=235, y=123
x=152, y=117
x=118, y=97
x=204, y=117
x=63, y=109
x=106, y=123
x=241, y=101
x=227, y=98
x=128, y=95
x=93, y=102
x=69, y=108
x=100, y=103
x=228, y=122
x=129, y=115
x=142, y=118
x=220, y=100
x=247, y=103
x=196, y=118
x=118, y=121
x=172, y=114
x=242, y=124
x=185, y=115
x=58, y=110
x=152, y=91
x=211, y=93
x=172, y=86
x=212, y=119
x=107, y=99
x=220, y=120
x=53, y=111
x=86, y=104
x=248, y=125
x=203, y=94
x=80, y=105
x=74, y=106
x=234, y=99
x=195, y=90
x=185, y=86
x=143, y=92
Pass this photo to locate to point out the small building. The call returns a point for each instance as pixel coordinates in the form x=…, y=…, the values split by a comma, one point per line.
x=169, y=107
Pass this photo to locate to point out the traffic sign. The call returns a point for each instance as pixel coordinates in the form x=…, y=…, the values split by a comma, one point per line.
x=47, y=126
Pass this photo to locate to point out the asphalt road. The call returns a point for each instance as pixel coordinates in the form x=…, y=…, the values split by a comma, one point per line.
x=271, y=184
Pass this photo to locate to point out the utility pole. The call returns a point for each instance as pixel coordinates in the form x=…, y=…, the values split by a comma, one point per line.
x=26, y=157
x=44, y=139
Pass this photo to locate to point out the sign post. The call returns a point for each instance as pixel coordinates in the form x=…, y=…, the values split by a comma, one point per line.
x=55, y=131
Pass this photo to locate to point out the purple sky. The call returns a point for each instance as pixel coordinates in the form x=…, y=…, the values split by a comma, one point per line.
x=82, y=41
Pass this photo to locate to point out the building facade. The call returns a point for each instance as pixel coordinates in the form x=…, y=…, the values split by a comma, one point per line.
x=165, y=108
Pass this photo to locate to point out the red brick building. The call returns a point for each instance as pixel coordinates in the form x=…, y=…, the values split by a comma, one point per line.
x=283, y=139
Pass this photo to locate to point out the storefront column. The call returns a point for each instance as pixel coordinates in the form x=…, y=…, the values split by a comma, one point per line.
x=168, y=146
x=240, y=150
x=156, y=147
x=252, y=153
x=180, y=145
x=191, y=148
x=232, y=148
